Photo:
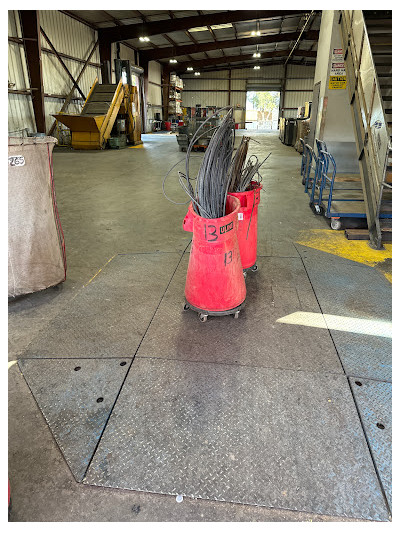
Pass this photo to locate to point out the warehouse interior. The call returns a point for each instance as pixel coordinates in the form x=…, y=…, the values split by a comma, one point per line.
x=200, y=265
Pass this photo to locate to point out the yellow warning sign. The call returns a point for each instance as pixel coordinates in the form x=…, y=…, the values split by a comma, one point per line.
x=337, y=82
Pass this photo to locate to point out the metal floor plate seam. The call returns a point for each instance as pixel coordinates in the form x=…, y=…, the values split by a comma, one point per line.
x=320, y=308
x=200, y=361
x=130, y=366
x=361, y=418
x=229, y=421
x=205, y=499
x=72, y=414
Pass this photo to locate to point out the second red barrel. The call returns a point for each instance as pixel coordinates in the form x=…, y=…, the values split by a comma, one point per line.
x=247, y=228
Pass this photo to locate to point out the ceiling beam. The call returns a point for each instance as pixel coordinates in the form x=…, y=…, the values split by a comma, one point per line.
x=248, y=64
x=134, y=31
x=79, y=19
x=244, y=57
x=182, y=50
x=93, y=26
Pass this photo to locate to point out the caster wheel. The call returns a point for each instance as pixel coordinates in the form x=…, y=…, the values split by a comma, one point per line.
x=254, y=268
x=244, y=274
x=336, y=223
x=236, y=315
x=186, y=307
x=203, y=318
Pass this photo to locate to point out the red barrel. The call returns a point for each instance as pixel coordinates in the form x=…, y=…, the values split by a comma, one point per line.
x=214, y=281
x=168, y=125
x=247, y=230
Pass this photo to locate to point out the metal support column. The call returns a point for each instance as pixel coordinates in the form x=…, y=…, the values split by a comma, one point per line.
x=105, y=59
x=283, y=92
x=229, y=86
x=165, y=90
x=31, y=35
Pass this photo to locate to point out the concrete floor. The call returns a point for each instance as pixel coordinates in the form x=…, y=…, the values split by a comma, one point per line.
x=111, y=202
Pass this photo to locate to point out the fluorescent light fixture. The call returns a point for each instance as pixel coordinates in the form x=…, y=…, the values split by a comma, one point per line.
x=189, y=68
x=197, y=73
x=144, y=39
x=213, y=27
x=257, y=67
x=173, y=61
x=256, y=54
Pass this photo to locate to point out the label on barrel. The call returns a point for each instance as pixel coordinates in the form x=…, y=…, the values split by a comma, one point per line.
x=240, y=216
x=228, y=258
x=16, y=161
x=210, y=232
x=226, y=228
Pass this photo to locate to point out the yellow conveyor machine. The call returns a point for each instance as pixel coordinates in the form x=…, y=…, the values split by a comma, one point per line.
x=91, y=129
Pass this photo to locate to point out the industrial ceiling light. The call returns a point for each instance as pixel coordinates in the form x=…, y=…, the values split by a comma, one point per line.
x=197, y=73
x=173, y=61
x=189, y=68
x=257, y=32
x=256, y=54
x=144, y=39
x=256, y=67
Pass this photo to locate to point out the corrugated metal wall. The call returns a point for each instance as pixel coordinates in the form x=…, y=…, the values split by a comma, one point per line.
x=20, y=111
x=211, y=88
x=75, y=39
x=69, y=37
x=154, y=92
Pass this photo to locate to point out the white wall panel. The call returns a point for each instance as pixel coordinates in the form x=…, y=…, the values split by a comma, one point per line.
x=240, y=78
x=69, y=37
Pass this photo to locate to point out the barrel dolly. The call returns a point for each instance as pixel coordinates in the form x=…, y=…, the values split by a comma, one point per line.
x=203, y=315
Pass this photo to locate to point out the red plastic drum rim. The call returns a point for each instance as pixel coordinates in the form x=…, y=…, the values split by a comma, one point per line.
x=193, y=220
x=254, y=193
x=220, y=220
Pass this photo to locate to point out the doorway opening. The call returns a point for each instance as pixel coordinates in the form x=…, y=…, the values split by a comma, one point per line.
x=262, y=110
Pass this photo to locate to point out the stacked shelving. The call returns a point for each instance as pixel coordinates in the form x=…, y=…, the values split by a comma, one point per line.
x=175, y=96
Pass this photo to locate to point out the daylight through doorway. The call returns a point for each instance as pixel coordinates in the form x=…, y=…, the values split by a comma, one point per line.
x=262, y=110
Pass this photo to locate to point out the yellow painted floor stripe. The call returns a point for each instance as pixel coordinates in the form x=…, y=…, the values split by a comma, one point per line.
x=335, y=243
x=388, y=276
x=98, y=272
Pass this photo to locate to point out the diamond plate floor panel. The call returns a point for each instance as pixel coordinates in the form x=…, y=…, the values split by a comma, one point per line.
x=76, y=397
x=345, y=288
x=374, y=401
x=280, y=248
x=258, y=436
x=280, y=287
x=109, y=317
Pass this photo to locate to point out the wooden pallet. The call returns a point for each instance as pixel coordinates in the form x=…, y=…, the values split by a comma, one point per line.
x=363, y=234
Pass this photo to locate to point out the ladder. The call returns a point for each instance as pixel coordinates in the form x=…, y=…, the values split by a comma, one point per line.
x=367, y=48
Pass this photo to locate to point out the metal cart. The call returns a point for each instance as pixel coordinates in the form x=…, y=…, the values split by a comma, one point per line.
x=336, y=196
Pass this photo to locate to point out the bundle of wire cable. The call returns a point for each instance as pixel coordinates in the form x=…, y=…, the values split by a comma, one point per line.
x=241, y=174
x=219, y=172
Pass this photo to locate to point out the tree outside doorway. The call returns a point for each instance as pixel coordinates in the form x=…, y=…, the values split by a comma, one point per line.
x=262, y=110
